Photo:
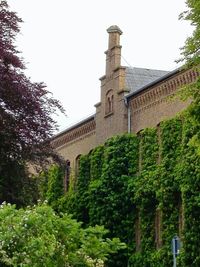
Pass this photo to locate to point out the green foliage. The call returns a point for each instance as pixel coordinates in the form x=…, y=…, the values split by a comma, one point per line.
x=101, y=193
x=96, y=160
x=190, y=51
x=133, y=177
x=51, y=185
x=108, y=198
x=191, y=57
x=130, y=179
x=143, y=189
x=80, y=210
x=16, y=186
x=76, y=201
x=189, y=177
x=194, y=114
x=190, y=171
x=55, y=185
x=38, y=237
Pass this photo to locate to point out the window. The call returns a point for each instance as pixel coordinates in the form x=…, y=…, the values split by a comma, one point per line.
x=139, y=135
x=180, y=216
x=158, y=228
x=77, y=165
x=159, y=159
x=137, y=234
x=109, y=102
x=67, y=176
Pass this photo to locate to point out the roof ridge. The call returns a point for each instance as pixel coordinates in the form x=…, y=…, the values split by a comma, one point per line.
x=137, y=78
x=159, y=79
x=127, y=67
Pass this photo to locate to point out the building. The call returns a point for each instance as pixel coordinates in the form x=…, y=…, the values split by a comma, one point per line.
x=131, y=100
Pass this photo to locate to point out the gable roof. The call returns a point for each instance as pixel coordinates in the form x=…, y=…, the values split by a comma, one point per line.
x=154, y=82
x=137, y=78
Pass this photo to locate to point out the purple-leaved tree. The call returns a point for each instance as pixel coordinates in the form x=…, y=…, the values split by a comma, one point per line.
x=25, y=107
x=26, y=124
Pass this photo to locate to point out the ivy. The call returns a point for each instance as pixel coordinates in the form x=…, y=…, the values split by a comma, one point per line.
x=131, y=179
x=81, y=191
x=51, y=185
x=189, y=178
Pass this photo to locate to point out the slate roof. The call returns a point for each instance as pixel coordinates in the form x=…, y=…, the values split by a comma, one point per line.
x=136, y=78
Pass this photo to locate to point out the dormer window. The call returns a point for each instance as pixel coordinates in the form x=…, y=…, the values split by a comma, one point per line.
x=109, y=102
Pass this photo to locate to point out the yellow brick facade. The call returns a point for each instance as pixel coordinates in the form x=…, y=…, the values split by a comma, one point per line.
x=157, y=103
x=120, y=111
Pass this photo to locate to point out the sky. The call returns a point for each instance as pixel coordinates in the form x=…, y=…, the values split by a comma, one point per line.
x=63, y=44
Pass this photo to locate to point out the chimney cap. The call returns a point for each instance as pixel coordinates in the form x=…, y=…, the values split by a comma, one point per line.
x=114, y=28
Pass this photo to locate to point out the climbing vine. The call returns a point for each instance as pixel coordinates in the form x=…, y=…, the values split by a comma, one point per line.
x=50, y=185
x=144, y=189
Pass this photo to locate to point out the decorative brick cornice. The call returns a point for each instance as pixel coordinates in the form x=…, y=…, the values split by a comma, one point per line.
x=73, y=141
x=160, y=92
x=74, y=134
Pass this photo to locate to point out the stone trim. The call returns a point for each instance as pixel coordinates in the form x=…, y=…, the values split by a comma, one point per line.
x=102, y=78
x=97, y=104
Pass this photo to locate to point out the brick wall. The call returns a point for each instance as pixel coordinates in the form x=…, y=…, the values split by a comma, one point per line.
x=148, y=108
x=76, y=141
x=155, y=104
x=113, y=123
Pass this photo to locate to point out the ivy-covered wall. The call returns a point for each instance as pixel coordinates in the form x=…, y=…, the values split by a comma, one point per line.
x=144, y=189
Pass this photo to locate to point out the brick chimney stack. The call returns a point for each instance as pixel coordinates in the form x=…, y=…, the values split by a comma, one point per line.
x=113, y=54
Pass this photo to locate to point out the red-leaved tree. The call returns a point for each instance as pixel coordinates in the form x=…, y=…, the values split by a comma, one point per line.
x=26, y=124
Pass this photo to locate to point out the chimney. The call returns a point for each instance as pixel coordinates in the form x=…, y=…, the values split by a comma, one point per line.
x=113, y=54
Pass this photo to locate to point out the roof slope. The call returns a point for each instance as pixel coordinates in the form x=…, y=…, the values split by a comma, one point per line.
x=136, y=78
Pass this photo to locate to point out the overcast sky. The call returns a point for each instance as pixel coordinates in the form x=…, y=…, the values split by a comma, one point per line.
x=63, y=43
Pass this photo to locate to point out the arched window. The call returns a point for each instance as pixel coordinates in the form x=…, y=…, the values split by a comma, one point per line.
x=159, y=159
x=180, y=215
x=140, y=158
x=77, y=164
x=67, y=175
x=158, y=228
x=109, y=102
x=138, y=233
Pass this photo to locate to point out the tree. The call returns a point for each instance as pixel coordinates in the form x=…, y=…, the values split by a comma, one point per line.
x=38, y=237
x=191, y=57
x=16, y=186
x=190, y=52
x=26, y=125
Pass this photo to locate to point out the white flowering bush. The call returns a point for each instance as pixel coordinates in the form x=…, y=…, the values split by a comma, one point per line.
x=36, y=237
